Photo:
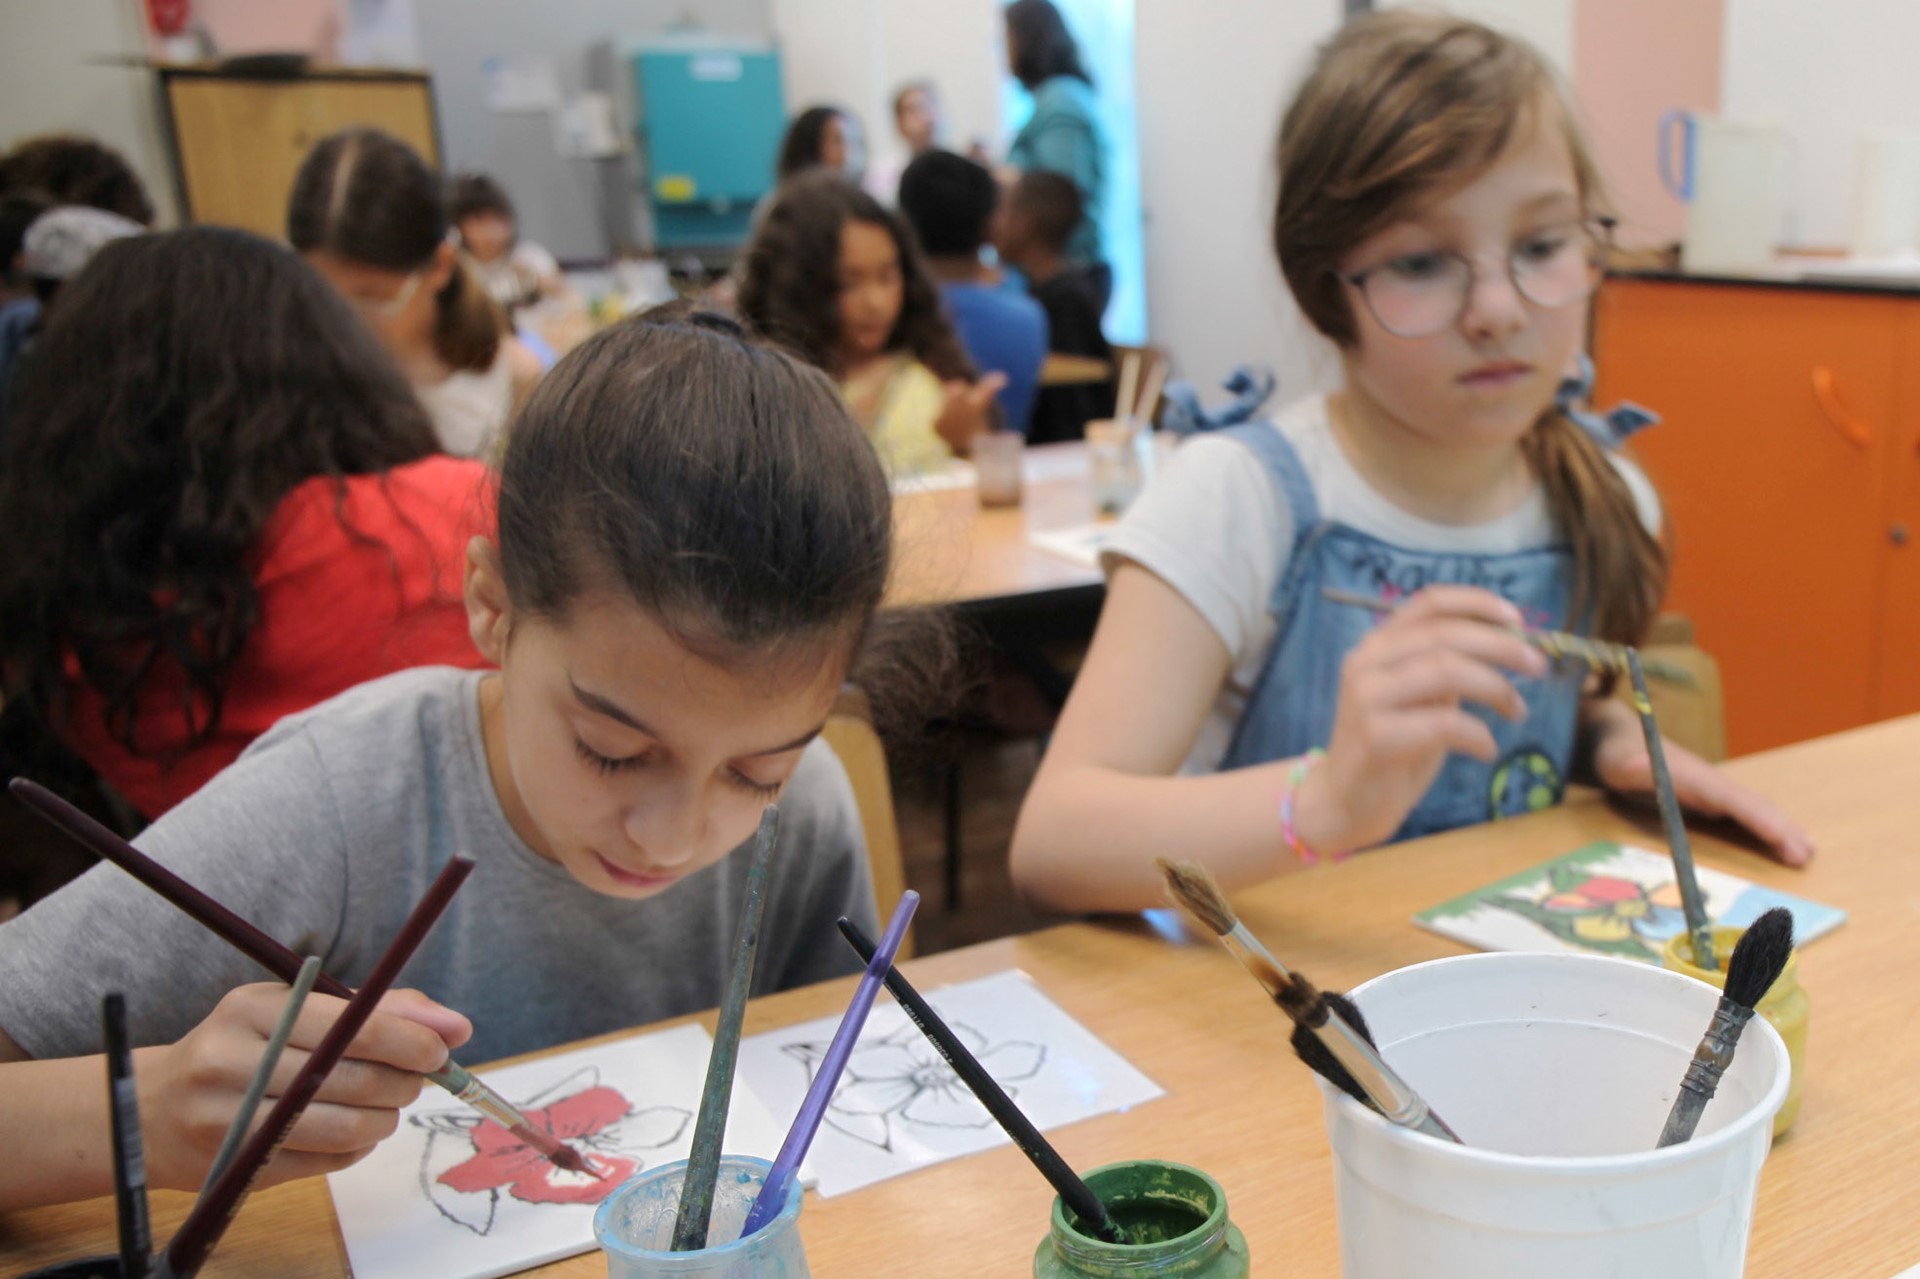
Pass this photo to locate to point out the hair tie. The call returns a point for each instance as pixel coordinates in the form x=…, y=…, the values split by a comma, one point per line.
x=1609, y=428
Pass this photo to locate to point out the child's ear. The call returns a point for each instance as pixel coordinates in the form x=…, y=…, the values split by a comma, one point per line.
x=489, y=613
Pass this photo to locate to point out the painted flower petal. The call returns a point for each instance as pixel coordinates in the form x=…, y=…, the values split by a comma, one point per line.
x=1014, y=1060
x=947, y=1105
x=558, y=1186
x=582, y=1113
x=875, y=1096
x=489, y=1170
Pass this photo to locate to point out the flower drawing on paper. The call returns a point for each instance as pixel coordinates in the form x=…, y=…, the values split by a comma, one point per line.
x=1601, y=912
x=470, y=1161
x=900, y=1082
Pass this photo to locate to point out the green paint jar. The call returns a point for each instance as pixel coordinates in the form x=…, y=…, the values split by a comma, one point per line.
x=1175, y=1216
x=1784, y=1005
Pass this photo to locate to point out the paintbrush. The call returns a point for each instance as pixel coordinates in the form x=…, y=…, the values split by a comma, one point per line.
x=275, y=958
x=213, y=1212
x=813, y=1108
x=1759, y=956
x=1600, y=656
x=703, y=1160
x=1324, y=1037
x=1074, y=1193
x=1691, y=903
x=129, y=1166
x=257, y=1086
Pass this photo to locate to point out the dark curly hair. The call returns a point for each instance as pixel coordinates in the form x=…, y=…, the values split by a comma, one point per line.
x=790, y=281
x=185, y=382
x=69, y=169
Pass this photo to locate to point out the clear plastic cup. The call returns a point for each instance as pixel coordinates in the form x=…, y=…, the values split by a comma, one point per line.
x=634, y=1227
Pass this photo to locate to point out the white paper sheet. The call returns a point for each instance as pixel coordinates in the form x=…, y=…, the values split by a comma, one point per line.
x=1082, y=543
x=453, y=1196
x=899, y=1107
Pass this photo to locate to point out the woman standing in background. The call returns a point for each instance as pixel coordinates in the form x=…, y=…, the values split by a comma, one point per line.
x=1062, y=135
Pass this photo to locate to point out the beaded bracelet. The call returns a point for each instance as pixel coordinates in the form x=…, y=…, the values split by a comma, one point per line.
x=1295, y=776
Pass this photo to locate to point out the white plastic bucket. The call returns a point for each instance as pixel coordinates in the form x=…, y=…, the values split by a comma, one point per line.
x=1558, y=1072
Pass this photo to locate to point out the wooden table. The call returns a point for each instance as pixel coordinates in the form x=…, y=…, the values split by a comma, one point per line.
x=1839, y=1199
x=951, y=550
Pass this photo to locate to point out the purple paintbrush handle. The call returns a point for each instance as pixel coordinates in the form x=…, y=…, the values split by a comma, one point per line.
x=773, y=1193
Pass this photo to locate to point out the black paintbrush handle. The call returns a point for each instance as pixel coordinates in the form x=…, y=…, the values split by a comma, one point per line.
x=1073, y=1192
x=129, y=1165
x=1702, y=1080
x=1691, y=903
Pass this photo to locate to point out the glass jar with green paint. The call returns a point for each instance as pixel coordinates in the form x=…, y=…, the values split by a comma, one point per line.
x=1175, y=1220
x=1784, y=1004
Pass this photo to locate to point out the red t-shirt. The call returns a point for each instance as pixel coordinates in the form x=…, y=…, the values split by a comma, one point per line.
x=357, y=579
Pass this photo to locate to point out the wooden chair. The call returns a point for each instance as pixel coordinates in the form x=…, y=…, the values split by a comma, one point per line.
x=849, y=732
x=1695, y=718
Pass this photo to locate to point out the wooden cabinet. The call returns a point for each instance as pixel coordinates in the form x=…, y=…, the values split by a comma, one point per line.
x=238, y=141
x=1788, y=469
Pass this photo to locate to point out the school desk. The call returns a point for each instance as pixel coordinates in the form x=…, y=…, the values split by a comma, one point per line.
x=1074, y=370
x=952, y=550
x=1839, y=1197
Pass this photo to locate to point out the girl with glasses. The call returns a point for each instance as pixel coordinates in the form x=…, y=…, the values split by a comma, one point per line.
x=1439, y=219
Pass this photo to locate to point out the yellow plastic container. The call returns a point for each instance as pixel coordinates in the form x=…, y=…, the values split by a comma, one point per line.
x=1785, y=1005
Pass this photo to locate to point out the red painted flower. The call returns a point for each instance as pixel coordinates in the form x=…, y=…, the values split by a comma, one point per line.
x=503, y=1161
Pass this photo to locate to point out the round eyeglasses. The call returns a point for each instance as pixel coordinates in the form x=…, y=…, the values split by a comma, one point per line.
x=1419, y=294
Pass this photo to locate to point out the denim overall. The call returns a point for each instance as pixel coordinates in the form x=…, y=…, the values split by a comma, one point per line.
x=1290, y=708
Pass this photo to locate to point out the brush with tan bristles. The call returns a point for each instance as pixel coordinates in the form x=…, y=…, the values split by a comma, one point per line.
x=1329, y=1033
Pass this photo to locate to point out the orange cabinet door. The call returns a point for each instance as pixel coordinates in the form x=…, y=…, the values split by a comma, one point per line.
x=1771, y=461
x=1897, y=660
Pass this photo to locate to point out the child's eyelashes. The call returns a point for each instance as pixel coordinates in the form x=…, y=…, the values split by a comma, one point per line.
x=763, y=790
x=605, y=763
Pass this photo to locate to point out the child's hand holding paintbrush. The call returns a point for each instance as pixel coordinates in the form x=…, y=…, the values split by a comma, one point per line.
x=1402, y=708
x=190, y=1089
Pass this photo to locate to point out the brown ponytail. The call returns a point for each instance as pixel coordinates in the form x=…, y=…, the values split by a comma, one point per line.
x=467, y=323
x=1619, y=568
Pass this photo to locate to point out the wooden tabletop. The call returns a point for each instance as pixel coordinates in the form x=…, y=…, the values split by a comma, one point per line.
x=1839, y=1198
x=951, y=550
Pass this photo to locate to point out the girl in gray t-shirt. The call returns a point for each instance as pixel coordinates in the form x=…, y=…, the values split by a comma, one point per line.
x=692, y=544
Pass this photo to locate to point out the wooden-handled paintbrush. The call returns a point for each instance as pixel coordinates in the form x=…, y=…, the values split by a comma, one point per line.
x=1599, y=656
x=1758, y=959
x=1325, y=1035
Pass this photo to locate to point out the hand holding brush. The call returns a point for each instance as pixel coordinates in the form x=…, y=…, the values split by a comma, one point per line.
x=1329, y=1034
x=1758, y=959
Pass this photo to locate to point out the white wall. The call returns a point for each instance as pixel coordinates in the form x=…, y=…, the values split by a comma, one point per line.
x=1545, y=24
x=1213, y=76
x=49, y=84
x=855, y=53
x=1827, y=72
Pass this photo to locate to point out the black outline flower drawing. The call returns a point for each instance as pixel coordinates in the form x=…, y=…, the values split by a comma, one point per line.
x=902, y=1080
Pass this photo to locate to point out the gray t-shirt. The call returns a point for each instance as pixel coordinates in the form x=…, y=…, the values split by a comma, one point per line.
x=327, y=831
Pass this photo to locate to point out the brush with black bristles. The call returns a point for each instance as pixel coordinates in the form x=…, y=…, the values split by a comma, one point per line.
x=1758, y=959
x=1329, y=1033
